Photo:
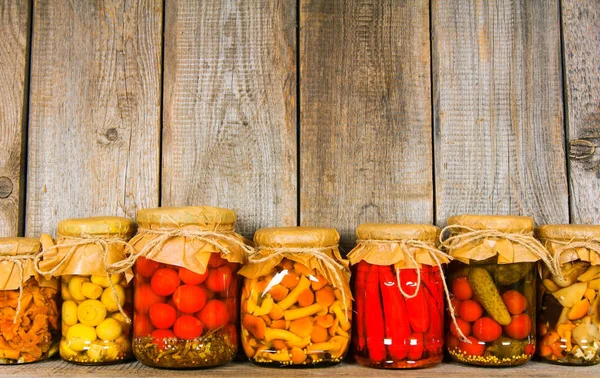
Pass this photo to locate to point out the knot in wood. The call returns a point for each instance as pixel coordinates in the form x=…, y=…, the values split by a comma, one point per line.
x=6, y=187
x=112, y=134
x=581, y=149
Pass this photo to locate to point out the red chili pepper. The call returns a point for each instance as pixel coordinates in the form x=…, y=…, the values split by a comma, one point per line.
x=434, y=335
x=374, y=317
x=415, y=347
x=360, y=280
x=430, y=276
x=397, y=328
x=418, y=313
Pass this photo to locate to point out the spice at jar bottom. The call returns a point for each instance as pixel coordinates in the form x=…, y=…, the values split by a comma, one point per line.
x=213, y=349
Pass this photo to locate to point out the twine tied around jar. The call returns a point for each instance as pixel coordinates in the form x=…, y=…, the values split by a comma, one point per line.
x=408, y=246
x=161, y=237
x=103, y=245
x=591, y=244
x=527, y=241
x=332, y=266
x=18, y=261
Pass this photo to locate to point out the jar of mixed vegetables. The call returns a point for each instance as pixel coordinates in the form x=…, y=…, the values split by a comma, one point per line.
x=28, y=305
x=398, y=326
x=569, y=319
x=296, y=300
x=96, y=304
x=492, y=280
x=186, y=286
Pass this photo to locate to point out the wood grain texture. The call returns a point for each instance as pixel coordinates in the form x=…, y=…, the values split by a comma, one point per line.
x=498, y=110
x=365, y=114
x=229, y=136
x=54, y=368
x=581, y=44
x=95, y=110
x=14, y=41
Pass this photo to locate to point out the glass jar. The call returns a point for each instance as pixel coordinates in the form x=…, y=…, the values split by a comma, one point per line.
x=28, y=305
x=398, y=327
x=96, y=305
x=569, y=319
x=186, y=287
x=492, y=281
x=296, y=299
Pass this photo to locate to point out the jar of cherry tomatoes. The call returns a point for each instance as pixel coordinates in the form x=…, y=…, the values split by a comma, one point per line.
x=96, y=302
x=28, y=305
x=492, y=280
x=186, y=286
x=398, y=326
x=296, y=300
x=569, y=319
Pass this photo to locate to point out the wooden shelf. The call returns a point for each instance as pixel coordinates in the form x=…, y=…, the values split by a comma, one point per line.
x=58, y=368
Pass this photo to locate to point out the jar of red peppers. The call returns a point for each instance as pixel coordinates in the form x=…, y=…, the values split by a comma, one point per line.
x=398, y=326
x=492, y=280
x=296, y=300
x=569, y=319
x=186, y=286
x=96, y=302
x=28, y=305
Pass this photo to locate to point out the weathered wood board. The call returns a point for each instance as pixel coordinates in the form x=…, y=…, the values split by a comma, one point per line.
x=498, y=109
x=229, y=136
x=94, y=110
x=581, y=44
x=14, y=43
x=365, y=123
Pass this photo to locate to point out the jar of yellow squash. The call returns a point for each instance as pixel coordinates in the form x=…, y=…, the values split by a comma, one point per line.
x=569, y=320
x=296, y=300
x=97, y=301
x=28, y=305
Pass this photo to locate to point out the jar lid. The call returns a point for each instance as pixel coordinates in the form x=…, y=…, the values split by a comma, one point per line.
x=97, y=226
x=211, y=218
x=502, y=223
x=296, y=237
x=19, y=246
x=568, y=231
x=388, y=231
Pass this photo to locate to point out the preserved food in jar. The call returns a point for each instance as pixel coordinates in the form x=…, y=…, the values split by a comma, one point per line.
x=96, y=297
x=186, y=286
x=398, y=327
x=569, y=319
x=492, y=279
x=28, y=305
x=296, y=300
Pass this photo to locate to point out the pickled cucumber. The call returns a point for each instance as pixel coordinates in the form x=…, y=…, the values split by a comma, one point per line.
x=508, y=274
x=488, y=295
x=505, y=347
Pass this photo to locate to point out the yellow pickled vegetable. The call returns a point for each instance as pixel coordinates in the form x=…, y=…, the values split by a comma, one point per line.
x=91, y=312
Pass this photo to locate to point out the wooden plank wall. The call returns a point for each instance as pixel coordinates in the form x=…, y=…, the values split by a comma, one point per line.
x=308, y=112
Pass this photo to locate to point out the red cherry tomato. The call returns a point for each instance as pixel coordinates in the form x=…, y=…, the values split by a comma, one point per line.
x=452, y=342
x=160, y=337
x=462, y=288
x=146, y=267
x=189, y=298
x=214, y=314
x=515, y=302
x=216, y=260
x=476, y=348
x=209, y=294
x=519, y=328
x=144, y=298
x=464, y=326
x=188, y=327
x=219, y=279
x=530, y=349
x=164, y=281
x=162, y=315
x=487, y=329
x=455, y=303
x=470, y=310
x=142, y=326
x=192, y=278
